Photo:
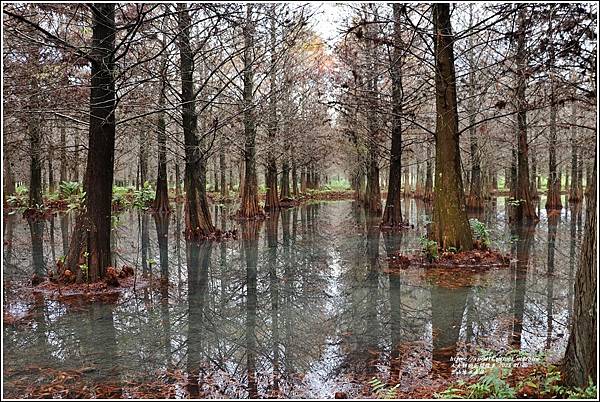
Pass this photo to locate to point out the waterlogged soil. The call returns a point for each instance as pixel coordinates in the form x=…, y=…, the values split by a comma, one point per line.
x=302, y=305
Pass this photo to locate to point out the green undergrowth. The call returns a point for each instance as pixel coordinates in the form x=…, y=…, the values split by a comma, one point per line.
x=496, y=376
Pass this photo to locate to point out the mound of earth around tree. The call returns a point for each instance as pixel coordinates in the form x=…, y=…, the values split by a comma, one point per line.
x=107, y=291
x=472, y=261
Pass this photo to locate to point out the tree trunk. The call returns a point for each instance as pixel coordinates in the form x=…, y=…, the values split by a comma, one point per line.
x=450, y=225
x=373, y=192
x=533, y=180
x=272, y=196
x=285, y=178
x=303, y=179
x=9, y=177
x=35, y=145
x=161, y=199
x=524, y=209
x=553, y=199
x=475, y=199
x=249, y=208
x=93, y=227
x=215, y=176
x=75, y=172
x=575, y=195
x=197, y=217
x=406, y=181
x=63, y=153
x=143, y=155
x=223, y=169
x=429, y=176
x=580, y=360
x=294, y=176
x=177, y=181
x=51, y=181
x=392, y=215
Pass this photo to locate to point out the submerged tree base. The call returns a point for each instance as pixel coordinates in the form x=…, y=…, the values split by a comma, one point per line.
x=476, y=260
x=399, y=226
x=216, y=235
x=108, y=289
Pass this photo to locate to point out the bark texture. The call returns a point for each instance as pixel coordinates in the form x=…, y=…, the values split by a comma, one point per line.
x=580, y=362
x=249, y=208
x=450, y=226
x=392, y=215
x=198, y=222
x=93, y=227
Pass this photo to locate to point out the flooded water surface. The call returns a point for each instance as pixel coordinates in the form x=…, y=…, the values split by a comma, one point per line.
x=302, y=305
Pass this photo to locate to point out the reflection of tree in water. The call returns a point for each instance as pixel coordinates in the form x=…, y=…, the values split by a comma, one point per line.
x=277, y=312
x=36, y=228
x=359, y=325
x=524, y=235
x=162, y=236
x=552, y=229
x=272, y=242
x=393, y=242
x=198, y=258
x=304, y=260
x=144, y=218
x=250, y=232
x=447, y=310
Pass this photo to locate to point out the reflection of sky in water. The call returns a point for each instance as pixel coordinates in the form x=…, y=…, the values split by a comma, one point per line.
x=327, y=309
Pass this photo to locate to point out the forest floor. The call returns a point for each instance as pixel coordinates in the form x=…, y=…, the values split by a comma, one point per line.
x=534, y=382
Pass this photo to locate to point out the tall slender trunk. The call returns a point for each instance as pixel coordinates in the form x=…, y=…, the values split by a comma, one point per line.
x=429, y=176
x=75, y=173
x=143, y=155
x=35, y=145
x=392, y=215
x=553, y=199
x=575, y=194
x=373, y=192
x=223, y=169
x=524, y=209
x=93, y=227
x=285, y=175
x=215, y=176
x=272, y=196
x=534, y=177
x=580, y=362
x=303, y=179
x=161, y=200
x=249, y=206
x=63, y=153
x=474, y=200
x=177, y=180
x=294, y=176
x=450, y=225
x=9, y=177
x=197, y=216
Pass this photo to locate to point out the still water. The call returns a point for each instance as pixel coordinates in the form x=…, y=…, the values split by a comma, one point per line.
x=301, y=305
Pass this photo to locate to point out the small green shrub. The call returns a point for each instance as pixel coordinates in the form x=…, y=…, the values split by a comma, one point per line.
x=544, y=382
x=143, y=197
x=20, y=198
x=480, y=232
x=430, y=248
x=67, y=189
x=121, y=195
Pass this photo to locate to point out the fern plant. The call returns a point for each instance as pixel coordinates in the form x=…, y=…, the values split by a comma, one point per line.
x=430, y=248
x=480, y=232
x=381, y=389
